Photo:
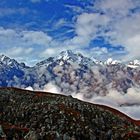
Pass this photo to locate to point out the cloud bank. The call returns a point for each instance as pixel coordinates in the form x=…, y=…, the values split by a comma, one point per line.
x=128, y=103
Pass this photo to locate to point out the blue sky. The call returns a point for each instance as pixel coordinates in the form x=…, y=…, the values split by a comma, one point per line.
x=32, y=30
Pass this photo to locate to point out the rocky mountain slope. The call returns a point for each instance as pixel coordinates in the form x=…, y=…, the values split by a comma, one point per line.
x=70, y=73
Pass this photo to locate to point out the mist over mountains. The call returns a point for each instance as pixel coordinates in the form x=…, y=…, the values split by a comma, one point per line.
x=73, y=74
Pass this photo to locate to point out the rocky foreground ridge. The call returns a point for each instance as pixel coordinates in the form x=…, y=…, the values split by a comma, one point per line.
x=45, y=116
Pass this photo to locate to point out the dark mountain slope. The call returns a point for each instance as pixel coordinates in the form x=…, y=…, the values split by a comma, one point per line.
x=52, y=116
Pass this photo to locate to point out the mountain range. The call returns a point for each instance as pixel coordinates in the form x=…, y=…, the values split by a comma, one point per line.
x=70, y=73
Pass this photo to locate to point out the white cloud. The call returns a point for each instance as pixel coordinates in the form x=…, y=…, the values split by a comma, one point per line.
x=49, y=52
x=35, y=1
x=115, y=7
x=88, y=25
x=124, y=26
x=131, y=97
x=29, y=88
x=98, y=51
x=52, y=88
x=7, y=32
x=127, y=33
x=86, y=29
x=22, y=44
x=114, y=21
x=36, y=37
x=11, y=11
x=122, y=30
x=75, y=9
x=18, y=51
x=60, y=23
x=24, y=37
x=132, y=111
x=115, y=99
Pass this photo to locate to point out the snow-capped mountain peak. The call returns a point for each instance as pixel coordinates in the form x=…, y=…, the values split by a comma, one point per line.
x=110, y=61
x=6, y=60
x=2, y=57
x=134, y=64
x=70, y=56
x=66, y=55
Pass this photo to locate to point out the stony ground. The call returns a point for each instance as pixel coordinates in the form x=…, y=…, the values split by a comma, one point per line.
x=45, y=116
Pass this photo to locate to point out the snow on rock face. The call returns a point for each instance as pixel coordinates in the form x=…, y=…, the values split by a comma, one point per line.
x=110, y=61
x=6, y=60
x=134, y=64
x=67, y=55
x=2, y=57
x=10, y=62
